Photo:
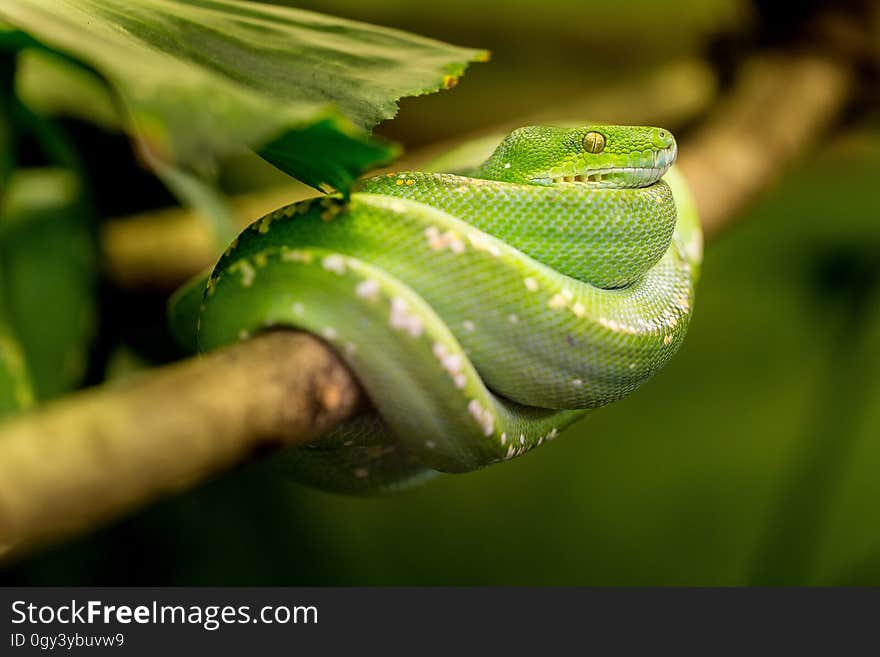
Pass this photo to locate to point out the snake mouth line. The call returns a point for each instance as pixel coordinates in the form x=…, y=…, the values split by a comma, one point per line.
x=615, y=173
x=612, y=177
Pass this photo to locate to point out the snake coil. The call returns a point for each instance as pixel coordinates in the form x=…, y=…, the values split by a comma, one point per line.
x=483, y=313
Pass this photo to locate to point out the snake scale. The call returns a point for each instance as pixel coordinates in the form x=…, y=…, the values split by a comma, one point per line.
x=484, y=311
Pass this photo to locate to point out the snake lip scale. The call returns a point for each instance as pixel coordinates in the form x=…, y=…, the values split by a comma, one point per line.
x=614, y=177
x=483, y=311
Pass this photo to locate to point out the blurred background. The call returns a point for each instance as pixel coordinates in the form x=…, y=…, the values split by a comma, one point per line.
x=751, y=459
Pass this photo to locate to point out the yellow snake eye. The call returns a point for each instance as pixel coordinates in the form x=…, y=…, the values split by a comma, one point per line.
x=594, y=142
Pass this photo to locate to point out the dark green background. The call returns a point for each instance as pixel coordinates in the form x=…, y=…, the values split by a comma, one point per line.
x=752, y=459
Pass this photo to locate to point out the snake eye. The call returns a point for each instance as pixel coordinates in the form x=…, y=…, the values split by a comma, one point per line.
x=594, y=142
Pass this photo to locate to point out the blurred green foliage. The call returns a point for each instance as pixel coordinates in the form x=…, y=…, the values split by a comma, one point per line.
x=48, y=275
x=751, y=459
x=194, y=82
x=16, y=392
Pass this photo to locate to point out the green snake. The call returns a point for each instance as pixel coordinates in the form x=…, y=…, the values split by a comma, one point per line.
x=483, y=311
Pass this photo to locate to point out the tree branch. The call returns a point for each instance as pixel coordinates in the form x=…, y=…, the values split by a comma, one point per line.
x=96, y=455
x=781, y=105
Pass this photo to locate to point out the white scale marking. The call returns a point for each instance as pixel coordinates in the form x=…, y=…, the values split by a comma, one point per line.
x=401, y=318
x=334, y=263
x=483, y=416
x=368, y=289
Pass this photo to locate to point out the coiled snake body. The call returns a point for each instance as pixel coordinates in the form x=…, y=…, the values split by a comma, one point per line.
x=482, y=313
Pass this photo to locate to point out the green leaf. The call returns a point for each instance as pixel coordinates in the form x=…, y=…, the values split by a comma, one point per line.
x=48, y=277
x=313, y=152
x=15, y=388
x=54, y=86
x=199, y=80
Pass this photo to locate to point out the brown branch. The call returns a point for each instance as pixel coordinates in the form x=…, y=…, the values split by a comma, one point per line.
x=783, y=103
x=162, y=249
x=96, y=455
x=781, y=106
x=99, y=454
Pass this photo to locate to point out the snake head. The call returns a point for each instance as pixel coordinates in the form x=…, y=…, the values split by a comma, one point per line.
x=594, y=155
